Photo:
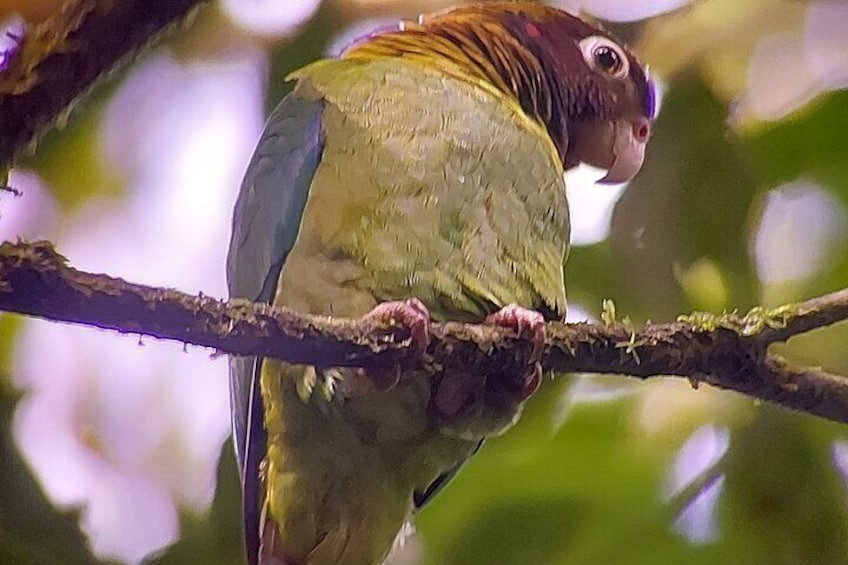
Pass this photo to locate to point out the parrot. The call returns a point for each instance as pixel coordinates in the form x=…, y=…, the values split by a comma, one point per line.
x=416, y=177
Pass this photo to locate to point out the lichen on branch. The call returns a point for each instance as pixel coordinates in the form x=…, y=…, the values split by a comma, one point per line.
x=730, y=352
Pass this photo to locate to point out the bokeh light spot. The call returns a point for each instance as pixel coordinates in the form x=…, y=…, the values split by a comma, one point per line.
x=799, y=227
x=270, y=17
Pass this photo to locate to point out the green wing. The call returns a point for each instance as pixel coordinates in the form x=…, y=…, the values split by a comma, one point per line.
x=265, y=224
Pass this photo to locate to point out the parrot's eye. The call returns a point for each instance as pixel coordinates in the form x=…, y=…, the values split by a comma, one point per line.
x=605, y=56
x=607, y=59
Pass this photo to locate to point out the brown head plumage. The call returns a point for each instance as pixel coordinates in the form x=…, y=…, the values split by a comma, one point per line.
x=590, y=93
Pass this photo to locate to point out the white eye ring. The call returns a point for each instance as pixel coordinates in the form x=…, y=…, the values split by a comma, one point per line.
x=605, y=56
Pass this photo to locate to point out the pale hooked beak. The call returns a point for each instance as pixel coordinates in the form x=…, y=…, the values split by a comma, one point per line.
x=628, y=150
x=618, y=146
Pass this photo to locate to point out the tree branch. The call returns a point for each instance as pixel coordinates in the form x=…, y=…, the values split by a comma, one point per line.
x=728, y=351
x=61, y=58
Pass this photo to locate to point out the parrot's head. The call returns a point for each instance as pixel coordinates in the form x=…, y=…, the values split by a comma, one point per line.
x=595, y=99
x=608, y=100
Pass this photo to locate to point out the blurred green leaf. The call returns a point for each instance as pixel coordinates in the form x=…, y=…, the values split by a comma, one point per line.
x=32, y=530
x=70, y=162
x=216, y=536
x=810, y=144
x=784, y=502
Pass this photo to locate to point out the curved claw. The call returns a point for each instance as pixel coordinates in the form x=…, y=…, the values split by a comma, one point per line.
x=410, y=313
x=532, y=382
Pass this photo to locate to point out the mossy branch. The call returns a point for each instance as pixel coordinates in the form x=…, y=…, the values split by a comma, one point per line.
x=58, y=60
x=728, y=351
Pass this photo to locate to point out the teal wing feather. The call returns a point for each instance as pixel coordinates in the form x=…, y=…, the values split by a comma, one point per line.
x=266, y=220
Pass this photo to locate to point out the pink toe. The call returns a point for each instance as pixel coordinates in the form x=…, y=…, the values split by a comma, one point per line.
x=410, y=313
x=527, y=323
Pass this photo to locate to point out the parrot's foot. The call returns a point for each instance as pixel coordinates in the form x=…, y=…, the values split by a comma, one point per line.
x=529, y=324
x=410, y=313
x=474, y=406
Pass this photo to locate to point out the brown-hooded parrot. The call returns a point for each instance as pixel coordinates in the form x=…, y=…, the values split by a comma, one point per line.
x=418, y=176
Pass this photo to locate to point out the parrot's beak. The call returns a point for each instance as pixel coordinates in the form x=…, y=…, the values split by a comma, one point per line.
x=618, y=146
x=628, y=150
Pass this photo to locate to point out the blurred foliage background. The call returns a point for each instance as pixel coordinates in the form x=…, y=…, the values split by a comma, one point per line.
x=114, y=449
